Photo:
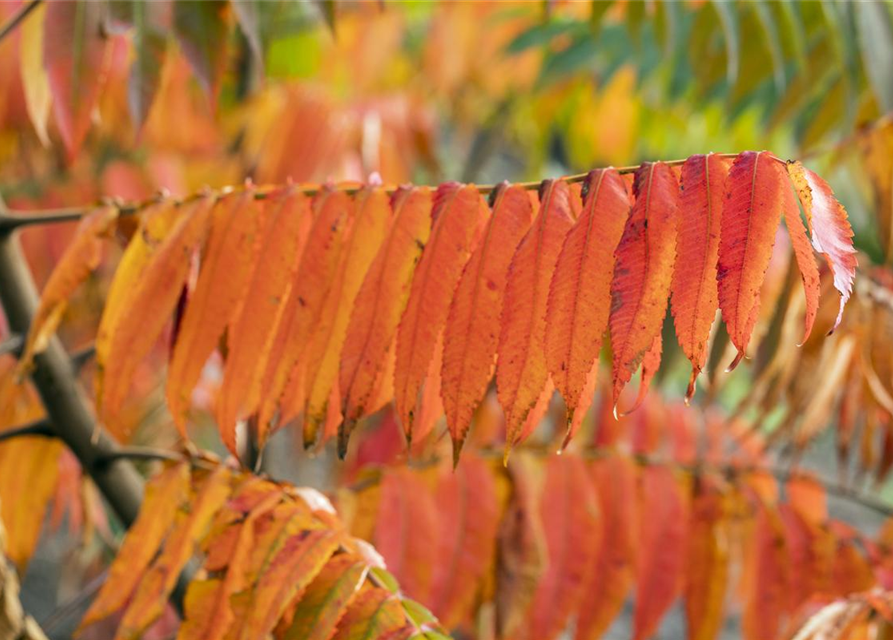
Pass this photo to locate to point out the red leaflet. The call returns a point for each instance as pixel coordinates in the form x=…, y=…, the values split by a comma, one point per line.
x=521, y=370
x=809, y=271
x=694, y=301
x=643, y=271
x=472, y=328
x=650, y=365
x=379, y=304
x=469, y=516
x=580, y=292
x=407, y=532
x=749, y=221
x=459, y=213
x=829, y=227
x=614, y=479
x=664, y=531
x=569, y=510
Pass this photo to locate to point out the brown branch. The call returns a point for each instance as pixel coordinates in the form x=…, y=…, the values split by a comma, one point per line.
x=16, y=19
x=10, y=220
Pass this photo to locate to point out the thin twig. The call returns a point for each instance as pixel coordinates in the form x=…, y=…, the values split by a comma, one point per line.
x=83, y=356
x=18, y=17
x=14, y=220
x=37, y=428
x=140, y=453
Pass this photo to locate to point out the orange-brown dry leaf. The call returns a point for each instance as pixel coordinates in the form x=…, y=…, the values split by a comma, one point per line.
x=469, y=518
x=521, y=370
x=156, y=222
x=831, y=233
x=207, y=611
x=663, y=537
x=258, y=609
x=372, y=219
x=809, y=271
x=611, y=577
x=569, y=511
x=149, y=307
x=194, y=514
x=164, y=495
x=286, y=228
x=749, y=221
x=380, y=303
x=643, y=271
x=707, y=560
x=81, y=256
x=321, y=607
x=226, y=268
x=694, y=301
x=311, y=286
x=407, y=532
x=580, y=292
x=459, y=213
x=472, y=328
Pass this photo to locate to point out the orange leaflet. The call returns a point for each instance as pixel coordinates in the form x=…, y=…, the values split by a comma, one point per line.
x=749, y=222
x=472, y=328
x=809, y=271
x=458, y=213
x=149, y=307
x=311, y=285
x=194, y=514
x=707, y=559
x=407, y=531
x=374, y=613
x=155, y=223
x=379, y=304
x=570, y=511
x=580, y=292
x=213, y=306
x=323, y=604
x=369, y=229
x=469, y=518
x=74, y=55
x=299, y=561
x=429, y=406
x=81, y=256
x=663, y=533
x=208, y=614
x=286, y=229
x=614, y=479
x=694, y=301
x=521, y=370
x=831, y=233
x=766, y=563
x=643, y=271
x=164, y=495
